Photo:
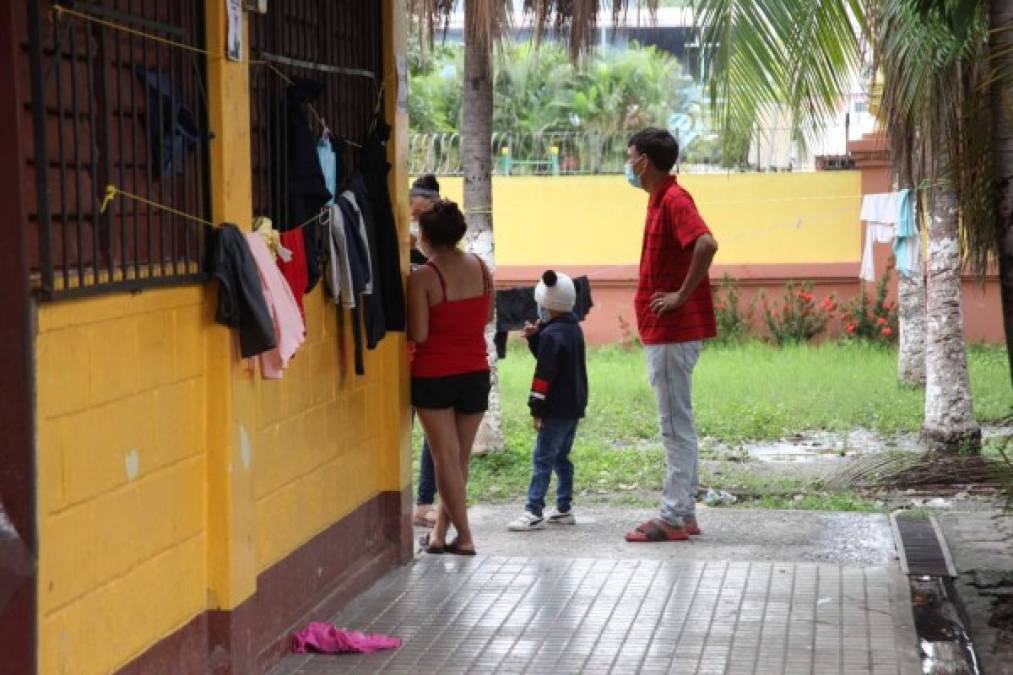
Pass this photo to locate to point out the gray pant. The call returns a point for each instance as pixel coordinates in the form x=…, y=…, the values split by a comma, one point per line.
x=670, y=370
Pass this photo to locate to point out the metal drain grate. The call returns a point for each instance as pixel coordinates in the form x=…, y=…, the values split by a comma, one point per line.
x=921, y=547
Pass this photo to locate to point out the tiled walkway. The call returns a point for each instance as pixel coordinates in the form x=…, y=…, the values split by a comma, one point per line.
x=558, y=615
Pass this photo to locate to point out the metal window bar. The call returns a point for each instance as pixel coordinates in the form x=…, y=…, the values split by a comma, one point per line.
x=95, y=121
x=336, y=42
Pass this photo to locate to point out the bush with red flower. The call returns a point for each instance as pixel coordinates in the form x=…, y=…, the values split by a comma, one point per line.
x=872, y=319
x=800, y=317
x=734, y=320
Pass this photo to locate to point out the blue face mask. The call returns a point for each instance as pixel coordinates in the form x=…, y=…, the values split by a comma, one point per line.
x=543, y=315
x=632, y=176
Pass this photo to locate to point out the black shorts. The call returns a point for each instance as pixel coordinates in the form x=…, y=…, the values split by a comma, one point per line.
x=467, y=394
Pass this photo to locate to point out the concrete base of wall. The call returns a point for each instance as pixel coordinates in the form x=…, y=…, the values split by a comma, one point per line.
x=312, y=583
x=613, y=319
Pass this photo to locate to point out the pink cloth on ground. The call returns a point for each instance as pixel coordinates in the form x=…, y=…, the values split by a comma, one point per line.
x=324, y=638
x=289, y=328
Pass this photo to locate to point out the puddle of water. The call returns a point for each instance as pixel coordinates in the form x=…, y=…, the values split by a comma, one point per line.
x=830, y=446
x=787, y=452
x=945, y=644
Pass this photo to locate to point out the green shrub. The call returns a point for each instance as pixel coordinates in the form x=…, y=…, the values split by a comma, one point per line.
x=799, y=318
x=872, y=320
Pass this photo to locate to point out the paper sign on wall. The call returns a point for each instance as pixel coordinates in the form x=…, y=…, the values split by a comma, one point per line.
x=234, y=48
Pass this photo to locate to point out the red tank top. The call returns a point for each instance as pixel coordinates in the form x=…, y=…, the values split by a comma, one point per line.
x=456, y=342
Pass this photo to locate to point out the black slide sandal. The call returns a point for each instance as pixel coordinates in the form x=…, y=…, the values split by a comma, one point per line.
x=432, y=550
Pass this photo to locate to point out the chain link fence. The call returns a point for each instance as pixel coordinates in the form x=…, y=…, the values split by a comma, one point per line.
x=567, y=153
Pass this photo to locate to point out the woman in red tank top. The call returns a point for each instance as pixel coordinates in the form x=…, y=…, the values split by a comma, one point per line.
x=449, y=305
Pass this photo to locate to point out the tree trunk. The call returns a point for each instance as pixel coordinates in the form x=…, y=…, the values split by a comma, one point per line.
x=911, y=310
x=949, y=423
x=476, y=162
x=911, y=302
x=1002, y=143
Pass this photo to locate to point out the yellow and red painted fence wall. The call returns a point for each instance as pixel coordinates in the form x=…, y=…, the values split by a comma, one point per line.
x=190, y=514
x=772, y=228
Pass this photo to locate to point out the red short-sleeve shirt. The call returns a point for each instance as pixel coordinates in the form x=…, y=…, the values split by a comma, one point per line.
x=673, y=226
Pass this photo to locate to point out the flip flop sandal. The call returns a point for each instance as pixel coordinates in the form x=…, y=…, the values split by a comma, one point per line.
x=656, y=531
x=432, y=550
x=453, y=550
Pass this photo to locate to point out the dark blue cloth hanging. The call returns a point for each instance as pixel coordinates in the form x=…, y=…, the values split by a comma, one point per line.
x=173, y=131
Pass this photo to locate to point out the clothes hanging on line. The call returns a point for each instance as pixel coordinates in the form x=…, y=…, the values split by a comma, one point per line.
x=516, y=307
x=173, y=131
x=272, y=238
x=241, y=302
x=328, y=165
x=375, y=172
x=907, y=247
x=881, y=213
x=294, y=269
x=348, y=268
x=287, y=322
x=305, y=185
x=359, y=225
x=374, y=319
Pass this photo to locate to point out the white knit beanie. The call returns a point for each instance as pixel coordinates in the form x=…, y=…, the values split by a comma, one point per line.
x=556, y=292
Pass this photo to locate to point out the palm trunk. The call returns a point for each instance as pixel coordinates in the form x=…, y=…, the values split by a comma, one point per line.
x=1002, y=144
x=949, y=423
x=476, y=162
x=911, y=304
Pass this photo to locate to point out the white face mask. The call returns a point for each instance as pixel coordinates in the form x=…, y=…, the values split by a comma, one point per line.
x=413, y=228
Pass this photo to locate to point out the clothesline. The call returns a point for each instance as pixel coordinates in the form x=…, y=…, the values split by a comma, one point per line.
x=113, y=191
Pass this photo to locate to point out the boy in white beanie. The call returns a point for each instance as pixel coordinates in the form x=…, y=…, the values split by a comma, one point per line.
x=558, y=400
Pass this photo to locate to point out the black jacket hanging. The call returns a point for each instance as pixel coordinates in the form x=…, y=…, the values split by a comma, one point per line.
x=241, y=302
x=375, y=170
x=307, y=190
x=374, y=310
x=516, y=306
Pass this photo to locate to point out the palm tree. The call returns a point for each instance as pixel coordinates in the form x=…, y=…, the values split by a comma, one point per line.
x=485, y=22
x=1001, y=20
x=938, y=101
x=802, y=54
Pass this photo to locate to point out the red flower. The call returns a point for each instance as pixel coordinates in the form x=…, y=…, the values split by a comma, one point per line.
x=719, y=307
x=851, y=328
x=886, y=332
x=806, y=296
x=880, y=321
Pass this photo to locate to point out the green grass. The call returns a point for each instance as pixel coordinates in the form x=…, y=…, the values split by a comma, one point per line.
x=741, y=392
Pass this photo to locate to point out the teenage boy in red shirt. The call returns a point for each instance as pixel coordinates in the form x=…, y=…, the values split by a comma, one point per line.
x=675, y=313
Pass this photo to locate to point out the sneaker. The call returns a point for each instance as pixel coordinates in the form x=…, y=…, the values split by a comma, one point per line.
x=561, y=518
x=527, y=522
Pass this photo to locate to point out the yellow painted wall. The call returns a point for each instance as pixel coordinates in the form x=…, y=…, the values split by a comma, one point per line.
x=122, y=489
x=170, y=474
x=325, y=439
x=598, y=220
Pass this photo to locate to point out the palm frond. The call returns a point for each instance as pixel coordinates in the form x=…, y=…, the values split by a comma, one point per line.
x=937, y=95
x=798, y=55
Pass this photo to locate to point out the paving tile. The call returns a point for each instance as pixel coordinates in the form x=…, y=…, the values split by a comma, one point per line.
x=558, y=616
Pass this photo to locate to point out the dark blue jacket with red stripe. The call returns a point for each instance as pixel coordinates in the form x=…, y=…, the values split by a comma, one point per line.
x=559, y=389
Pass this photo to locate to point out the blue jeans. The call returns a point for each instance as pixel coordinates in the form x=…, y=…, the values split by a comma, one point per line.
x=427, y=476
x=552, y=453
